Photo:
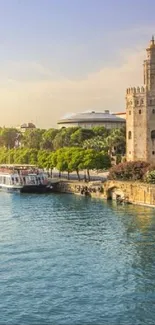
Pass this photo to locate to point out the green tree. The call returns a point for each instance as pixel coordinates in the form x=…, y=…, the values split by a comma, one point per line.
x=94, y=160
x=21, y=156
x=68, y=159
x=97, y=143
x=63, y=138
x=116, y=141
x=48, y=138
x=80, y=135
x=76, y=159
x=100, y=131
x=60, y=161
x=8, y=137
x=3, y=156
x=45, y=159
x=33, y=156
x=32, y=138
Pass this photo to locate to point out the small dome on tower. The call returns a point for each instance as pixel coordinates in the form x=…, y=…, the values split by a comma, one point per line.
x=152, y=42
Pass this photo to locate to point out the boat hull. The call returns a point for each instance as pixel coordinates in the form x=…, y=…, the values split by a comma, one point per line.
x=34, y=189
x=28, y=189
x=10, y=189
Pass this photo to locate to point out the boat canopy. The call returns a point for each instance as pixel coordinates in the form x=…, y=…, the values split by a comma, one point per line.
x=23, y=169
x=17, y=166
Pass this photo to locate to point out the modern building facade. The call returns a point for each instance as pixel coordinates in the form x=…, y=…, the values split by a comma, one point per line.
x=140, y=113
x=91, y=119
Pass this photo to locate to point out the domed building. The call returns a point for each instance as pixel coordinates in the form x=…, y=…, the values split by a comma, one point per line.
x=91, y=119
x=26, y=126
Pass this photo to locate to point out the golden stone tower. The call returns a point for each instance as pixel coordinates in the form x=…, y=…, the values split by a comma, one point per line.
x=140, y=114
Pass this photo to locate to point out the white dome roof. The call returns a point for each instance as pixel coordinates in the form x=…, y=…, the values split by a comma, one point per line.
x=91, y=116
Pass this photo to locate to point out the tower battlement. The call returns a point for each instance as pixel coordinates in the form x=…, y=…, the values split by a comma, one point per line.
x=135, y=90
x=140, y=112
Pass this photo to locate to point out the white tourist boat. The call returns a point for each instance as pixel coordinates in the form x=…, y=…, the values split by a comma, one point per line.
x=23, y=178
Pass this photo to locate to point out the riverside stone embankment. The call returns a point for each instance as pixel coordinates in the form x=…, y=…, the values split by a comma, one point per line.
x=93, y=189
x=131, y=192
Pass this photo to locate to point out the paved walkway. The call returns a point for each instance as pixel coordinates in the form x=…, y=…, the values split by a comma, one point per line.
x=73, y=176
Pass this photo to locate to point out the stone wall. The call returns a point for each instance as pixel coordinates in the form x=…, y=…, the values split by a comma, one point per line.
x=133, y=192
x=140, y=114
x=93, y=189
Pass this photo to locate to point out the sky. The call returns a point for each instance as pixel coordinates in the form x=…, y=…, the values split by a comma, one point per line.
x=64, y=56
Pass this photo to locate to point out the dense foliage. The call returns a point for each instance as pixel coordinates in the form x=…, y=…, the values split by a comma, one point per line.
x=97, y=138
x=64, y=159
x=68, y=149
x=150, y=177
x=73, y=149
x=133, y=170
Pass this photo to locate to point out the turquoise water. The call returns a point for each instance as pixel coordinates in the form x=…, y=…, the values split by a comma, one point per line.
x=72, y=260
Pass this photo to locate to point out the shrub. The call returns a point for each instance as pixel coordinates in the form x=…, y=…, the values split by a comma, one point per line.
x=150, y=177
x=132, y=170
x=118, y=159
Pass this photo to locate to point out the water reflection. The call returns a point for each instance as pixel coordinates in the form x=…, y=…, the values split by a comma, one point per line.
x=74, y=260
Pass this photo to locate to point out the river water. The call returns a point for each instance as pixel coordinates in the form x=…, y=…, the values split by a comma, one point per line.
x=71, y=260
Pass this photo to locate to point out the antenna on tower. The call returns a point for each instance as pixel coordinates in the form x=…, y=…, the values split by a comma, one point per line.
x=153, y=38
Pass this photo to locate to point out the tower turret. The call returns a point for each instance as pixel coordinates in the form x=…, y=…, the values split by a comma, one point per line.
x=140, y=113
x=149, y=66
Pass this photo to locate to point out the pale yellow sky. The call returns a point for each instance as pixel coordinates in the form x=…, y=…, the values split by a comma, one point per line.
x=69, y=56
x=45, y=101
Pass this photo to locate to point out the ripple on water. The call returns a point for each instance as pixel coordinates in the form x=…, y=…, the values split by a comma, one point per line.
x=72, y=260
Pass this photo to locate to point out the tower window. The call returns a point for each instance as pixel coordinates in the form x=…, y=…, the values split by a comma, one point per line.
x=153, y=152
x=129, y=112
x=137, y=102
x=153, y=134
x=150, y=101
x=140, y=111
x=153, y=111
x=129, y=135
x=142, y=101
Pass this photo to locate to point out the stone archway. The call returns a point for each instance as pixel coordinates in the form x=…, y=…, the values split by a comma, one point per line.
x=114, y=193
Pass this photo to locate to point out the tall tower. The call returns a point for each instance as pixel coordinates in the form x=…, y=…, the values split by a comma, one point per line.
x=140, y=113
x=149, y=67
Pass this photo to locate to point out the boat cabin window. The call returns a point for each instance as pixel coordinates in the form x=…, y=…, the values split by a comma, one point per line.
x=8, y=180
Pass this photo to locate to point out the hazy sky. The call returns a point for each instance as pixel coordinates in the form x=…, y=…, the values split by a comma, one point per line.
x=62, y=56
